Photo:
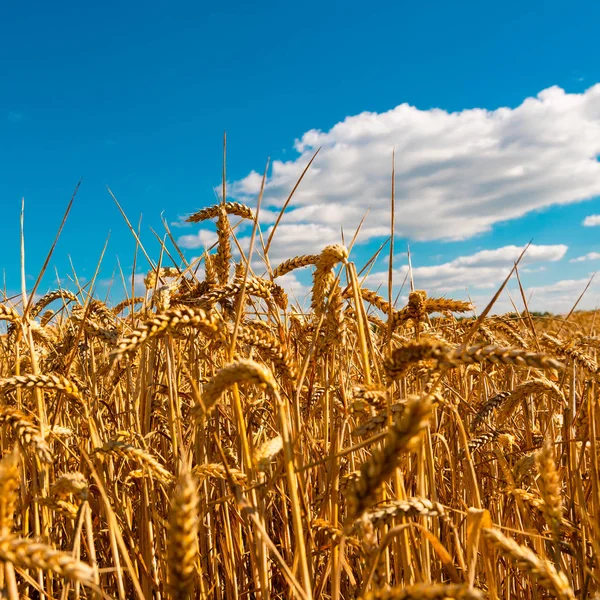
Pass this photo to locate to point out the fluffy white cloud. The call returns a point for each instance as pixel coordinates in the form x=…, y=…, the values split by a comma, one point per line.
x=293, y=239
x=483, y=270
x=508, y=254
x=588, y=256
x=477, y=277
x=296, y=290
x=456, y=173
x=559, y=297
x=591, y=221
x=204, y=238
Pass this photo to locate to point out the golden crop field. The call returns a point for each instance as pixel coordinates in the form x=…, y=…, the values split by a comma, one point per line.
x=212, y=439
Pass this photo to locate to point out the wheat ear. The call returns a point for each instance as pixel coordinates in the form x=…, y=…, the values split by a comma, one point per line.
x=172, y=319
x=382, y=463
x=528, y=561
x=27, y=554
x=27, y=433
x=182, y=542
x=241, y=371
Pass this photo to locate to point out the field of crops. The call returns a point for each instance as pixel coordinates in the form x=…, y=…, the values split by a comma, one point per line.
x=212, y=439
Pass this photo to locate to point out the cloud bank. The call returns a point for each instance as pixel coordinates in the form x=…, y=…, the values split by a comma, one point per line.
x=457, y=174
x=484, y=270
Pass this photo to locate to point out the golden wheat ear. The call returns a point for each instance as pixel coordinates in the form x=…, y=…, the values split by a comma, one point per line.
x=401, y=436
x=182, y=540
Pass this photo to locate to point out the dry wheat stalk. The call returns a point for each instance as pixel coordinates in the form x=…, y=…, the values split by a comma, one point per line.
x=371, y=297
x=374, y=395
x=98, y=310
x=480, y=441
x=415, y=309
x=61, y=507
x=152, y=277
x=439, y=305
x=499, y=355
x=487, y=336
x=46, y=317
x=129, y=303
x=254, y=287
x=509, y=332
x=568, y=349
x=325, y=528
x=372, y=424
x=210, y=274
x=94, y=329
x=588, y=340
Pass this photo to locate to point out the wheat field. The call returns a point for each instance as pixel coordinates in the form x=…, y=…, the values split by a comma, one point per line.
x=212, y=438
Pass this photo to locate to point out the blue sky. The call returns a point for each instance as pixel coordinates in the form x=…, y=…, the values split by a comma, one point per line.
x=137, y=96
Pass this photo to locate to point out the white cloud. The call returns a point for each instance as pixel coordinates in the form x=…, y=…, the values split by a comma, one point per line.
x=588, y=256
x=386, y=257
x=456, y=173
x=483, y=270
x=296, y=290
x=116, y=285
x=558, y=297
x=508, y=254
x=181, y=221
x=204, y=238
x=293, y=239
x=478, y=276
x=591, y=221
x=561, y=296
x=534, y=270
